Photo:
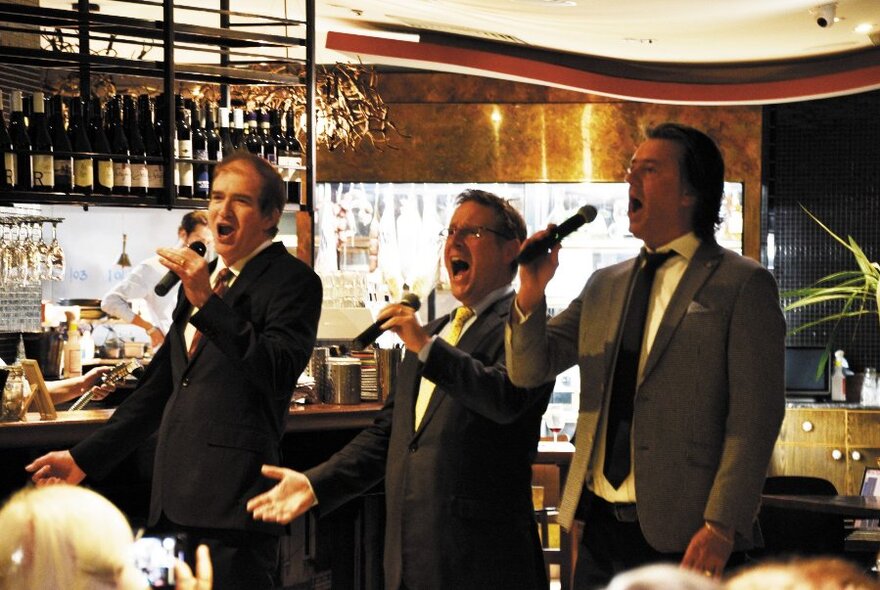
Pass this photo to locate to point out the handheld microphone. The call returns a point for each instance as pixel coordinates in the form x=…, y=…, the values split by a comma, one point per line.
x=170, y=279
x=585, y=214
x=375, y=330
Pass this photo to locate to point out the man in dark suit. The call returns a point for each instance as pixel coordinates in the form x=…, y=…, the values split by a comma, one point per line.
x=218, y=390
x=455, y=441
x=704, y=370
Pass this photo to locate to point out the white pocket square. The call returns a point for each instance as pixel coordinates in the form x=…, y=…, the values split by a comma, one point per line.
x=696, y=307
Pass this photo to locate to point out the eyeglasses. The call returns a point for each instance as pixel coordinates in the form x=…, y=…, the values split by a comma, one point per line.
x=466, y=232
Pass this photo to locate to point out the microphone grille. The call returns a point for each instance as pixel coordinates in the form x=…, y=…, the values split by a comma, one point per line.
x=411, y=300
x=588, y=212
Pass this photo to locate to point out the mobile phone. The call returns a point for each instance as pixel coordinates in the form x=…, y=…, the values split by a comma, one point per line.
x=154, y=557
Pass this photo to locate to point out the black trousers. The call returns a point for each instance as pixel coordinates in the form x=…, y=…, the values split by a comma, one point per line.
x=242, y=560
x=613, y=542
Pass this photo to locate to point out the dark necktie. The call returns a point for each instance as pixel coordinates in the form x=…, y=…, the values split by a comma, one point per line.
x=626, y=371
x=221, y=285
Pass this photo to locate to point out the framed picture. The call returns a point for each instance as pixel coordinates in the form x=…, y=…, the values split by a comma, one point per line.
x=870, y=488
x=39, y=392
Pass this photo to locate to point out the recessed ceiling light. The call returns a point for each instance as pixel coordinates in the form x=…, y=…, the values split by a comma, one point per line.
x=864, y=28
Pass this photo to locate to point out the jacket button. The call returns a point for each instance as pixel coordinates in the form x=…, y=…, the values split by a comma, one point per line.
x=185, y=383
x=413, y=448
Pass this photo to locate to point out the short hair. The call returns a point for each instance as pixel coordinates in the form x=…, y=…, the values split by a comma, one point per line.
x=701, y=167
x=802, y=573
x=192, y=220
x=510, y=222
x=273, y=195
x=62, y=536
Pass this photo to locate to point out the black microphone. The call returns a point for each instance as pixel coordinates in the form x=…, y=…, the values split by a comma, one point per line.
x=375, y=330
x=585, y=214
x=170, y=279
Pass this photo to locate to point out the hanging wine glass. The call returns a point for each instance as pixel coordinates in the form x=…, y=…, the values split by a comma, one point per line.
x=32, y=260
x=45, y=250
x=56, y=256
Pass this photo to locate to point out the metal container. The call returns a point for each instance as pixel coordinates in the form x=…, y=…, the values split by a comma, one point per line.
x=343, y=381
x=387, y=363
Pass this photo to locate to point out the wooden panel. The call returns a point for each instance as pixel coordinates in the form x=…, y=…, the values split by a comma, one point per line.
x=813, y=426
x=816, y=461
x=863, y=428
x=857, y=459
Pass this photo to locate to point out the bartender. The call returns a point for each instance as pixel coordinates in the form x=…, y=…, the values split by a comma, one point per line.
x=140, y=282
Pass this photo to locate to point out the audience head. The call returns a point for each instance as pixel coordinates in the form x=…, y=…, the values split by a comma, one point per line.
x=803, y=573
x=662, y=576
x=65, y=537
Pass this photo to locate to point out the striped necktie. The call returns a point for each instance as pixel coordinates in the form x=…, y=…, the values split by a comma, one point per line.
x=426, y=389
x=221, y=285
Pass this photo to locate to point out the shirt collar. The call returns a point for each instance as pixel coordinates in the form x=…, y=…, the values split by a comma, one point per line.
x=240, y=264
x=491, y=298
x=685, y=245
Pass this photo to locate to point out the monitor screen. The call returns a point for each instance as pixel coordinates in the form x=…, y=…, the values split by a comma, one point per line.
x=801, y=364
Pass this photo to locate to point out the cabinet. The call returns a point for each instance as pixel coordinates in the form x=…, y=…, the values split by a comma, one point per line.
x=832, y=443
x=241, y=50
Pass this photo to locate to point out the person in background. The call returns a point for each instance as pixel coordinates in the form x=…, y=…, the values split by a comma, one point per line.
x=662, y=576
x=681, y=402
x=69, y=537
x=64, y=390
x=455, y=441
x=803, y=573
x=142, y=279
x=218, y=394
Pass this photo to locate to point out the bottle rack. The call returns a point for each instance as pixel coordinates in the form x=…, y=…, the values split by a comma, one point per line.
x=237, y=50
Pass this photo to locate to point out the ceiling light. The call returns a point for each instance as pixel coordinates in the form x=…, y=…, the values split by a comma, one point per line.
x=825, y=15
x=864, y=28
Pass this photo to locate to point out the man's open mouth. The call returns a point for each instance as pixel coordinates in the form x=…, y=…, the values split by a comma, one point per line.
x=459, y=266
x=224, y=229
x=634, y=204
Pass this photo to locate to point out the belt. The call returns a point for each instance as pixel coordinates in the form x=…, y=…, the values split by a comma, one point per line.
x=621, y=512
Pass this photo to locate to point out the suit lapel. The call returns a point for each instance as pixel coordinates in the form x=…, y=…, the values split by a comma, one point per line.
x=470, y=341
x=701, y=267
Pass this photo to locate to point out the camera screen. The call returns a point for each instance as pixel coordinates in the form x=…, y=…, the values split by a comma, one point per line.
x=154, y=556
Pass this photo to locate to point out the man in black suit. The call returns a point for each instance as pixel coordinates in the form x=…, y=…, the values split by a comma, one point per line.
x=455, y=441
x=218, y=390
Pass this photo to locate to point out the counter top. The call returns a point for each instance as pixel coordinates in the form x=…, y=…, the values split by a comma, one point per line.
x=790, y=403
x=71, y=427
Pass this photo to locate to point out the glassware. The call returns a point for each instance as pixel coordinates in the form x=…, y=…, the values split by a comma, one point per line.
x=56, y=256
x=870, y=395
x=555, y=420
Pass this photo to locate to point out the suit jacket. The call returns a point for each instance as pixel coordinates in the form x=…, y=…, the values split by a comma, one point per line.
x=220, y=415
x=708, y=406
x=458, y=490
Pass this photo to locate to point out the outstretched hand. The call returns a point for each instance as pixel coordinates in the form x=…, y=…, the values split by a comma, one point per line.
x=290, y=498
x=56, y=467
x=204, y=578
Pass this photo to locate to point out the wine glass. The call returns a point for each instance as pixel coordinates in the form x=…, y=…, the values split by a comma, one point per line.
x=56, y=256
x=45, y=250
x=555, y=420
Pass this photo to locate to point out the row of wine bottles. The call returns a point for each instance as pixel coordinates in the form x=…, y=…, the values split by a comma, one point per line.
x=117, y=147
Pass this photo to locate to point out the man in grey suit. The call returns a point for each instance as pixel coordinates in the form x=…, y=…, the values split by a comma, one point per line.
x=699, y=397
x=455, y=441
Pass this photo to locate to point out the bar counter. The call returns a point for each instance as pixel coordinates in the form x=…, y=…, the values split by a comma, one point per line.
x=71, y=427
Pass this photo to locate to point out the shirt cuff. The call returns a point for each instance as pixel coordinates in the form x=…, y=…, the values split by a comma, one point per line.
x=426, y=350
x=518, y=316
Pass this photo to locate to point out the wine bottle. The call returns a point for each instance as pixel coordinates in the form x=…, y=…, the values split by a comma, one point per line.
x=184, y=151
x=215, y=146
x=252, y=141
x=155, y=167
x=140, y=181
x=294, y=148
x=83, y=169
x=43, y=158
x=270, y=149
x=201, y=177
x=7, y=182
x=119, y=147
x=21, y=143
x=225, y=136
x=63, y=150
x=238, y=129
x=100, y=145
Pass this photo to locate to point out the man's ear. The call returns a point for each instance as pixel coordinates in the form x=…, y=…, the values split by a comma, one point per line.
x=511, y=250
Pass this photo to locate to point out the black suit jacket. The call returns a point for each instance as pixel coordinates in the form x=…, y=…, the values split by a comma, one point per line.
x=220, y=415
x=458, y=491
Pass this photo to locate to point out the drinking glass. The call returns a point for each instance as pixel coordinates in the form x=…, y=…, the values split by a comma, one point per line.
x=555, y=420
x=870, y=396
x=45, y=251
x=56, y=256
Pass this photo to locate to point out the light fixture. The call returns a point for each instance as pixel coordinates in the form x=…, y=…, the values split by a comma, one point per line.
x=826, y=14
x=123, y=261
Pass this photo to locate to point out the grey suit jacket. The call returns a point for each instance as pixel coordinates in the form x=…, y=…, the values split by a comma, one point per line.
x=710, y=402
x=458, y=490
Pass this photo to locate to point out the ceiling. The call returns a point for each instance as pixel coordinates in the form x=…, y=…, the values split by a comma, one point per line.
x=677, y=51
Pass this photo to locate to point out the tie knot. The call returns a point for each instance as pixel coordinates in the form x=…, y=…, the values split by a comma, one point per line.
x=654, y=260
x=462, y=314
x=223, y=276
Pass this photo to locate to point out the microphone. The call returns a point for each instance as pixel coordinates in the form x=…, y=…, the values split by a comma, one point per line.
x=170, y=279
x=585, y=214
x=370, y=334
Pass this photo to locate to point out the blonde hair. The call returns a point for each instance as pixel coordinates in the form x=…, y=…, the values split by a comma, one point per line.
x=64, y=536
x=810, y=573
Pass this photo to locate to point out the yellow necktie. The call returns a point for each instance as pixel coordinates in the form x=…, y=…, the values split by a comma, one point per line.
x=426, y=388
